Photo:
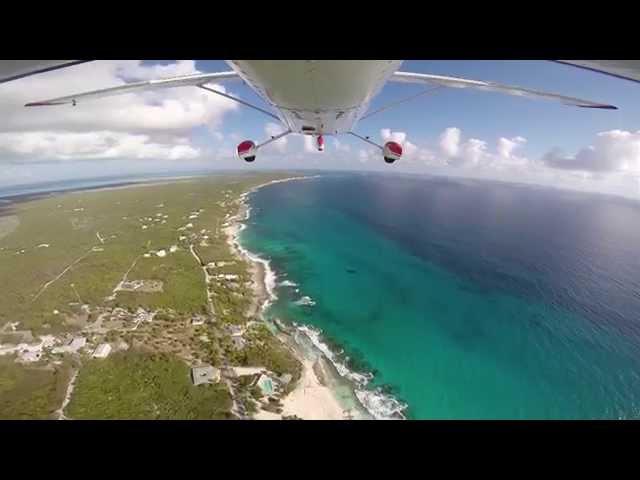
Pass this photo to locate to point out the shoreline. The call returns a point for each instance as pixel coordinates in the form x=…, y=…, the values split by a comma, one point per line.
x=36, y=191
x=327, y=389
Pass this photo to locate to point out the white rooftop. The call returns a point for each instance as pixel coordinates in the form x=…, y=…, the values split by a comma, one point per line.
x=102, y=351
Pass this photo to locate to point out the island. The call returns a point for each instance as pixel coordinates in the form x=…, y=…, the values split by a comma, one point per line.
x=138, y=302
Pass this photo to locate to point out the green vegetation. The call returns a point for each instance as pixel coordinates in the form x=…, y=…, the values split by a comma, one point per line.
x=63, y=258
x=135, y=385
x=30, y=392
x=266, y=350
x=69, y=224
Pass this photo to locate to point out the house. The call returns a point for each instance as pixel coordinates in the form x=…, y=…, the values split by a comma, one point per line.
x=102, y=351
x=77, y=343
x=266, y=384
x=72, y=346
x=228, y=276
x=204, y=374
x=235, y=330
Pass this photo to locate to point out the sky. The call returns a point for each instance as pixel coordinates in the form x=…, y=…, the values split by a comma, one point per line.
x=453, y=132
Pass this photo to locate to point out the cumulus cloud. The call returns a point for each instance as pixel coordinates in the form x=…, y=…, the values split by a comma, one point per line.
x=612, y=151
x=136, y=123
x=474, y=152
x=506, y=146
x=461, y=153
x=43, y=145
x=507, y=153
x=450, y=142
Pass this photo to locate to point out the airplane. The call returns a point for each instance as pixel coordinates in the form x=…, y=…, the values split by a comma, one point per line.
x=330, y=97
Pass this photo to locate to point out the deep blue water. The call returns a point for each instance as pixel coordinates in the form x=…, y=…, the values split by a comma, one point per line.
x=465, y=299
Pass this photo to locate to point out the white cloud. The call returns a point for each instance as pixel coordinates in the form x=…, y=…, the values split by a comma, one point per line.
x=450, y=142
x=475, y=152
x=506, y=153
x=162, y=117
x=471, y=152
x=389, y=136
x=506, y=146
x=612, y=151
x=49, y=145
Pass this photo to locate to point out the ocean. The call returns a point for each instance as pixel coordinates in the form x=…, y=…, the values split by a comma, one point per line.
x=461, y=299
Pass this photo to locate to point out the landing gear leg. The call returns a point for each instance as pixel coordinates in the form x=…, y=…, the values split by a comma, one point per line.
x=391, y=151
x=247, y=150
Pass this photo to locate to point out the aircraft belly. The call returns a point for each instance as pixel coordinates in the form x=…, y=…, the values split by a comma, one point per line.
x=317, y=96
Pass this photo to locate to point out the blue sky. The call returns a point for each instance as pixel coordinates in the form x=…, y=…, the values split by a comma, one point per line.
x=599, y=149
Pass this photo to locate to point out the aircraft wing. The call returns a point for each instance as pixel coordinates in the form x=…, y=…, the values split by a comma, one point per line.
x=625, y=69
x=456, y=82
x=15, y=69
x=183, y=81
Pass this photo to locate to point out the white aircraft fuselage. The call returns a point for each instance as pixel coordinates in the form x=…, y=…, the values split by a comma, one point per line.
x=317, y=97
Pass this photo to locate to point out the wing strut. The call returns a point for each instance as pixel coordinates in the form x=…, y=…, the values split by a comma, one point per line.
x=273, y=139
x=386, y=107
x=366, y=139
x=236, y=99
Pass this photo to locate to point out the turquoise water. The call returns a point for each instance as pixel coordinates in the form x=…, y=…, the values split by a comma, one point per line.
x=446, y=293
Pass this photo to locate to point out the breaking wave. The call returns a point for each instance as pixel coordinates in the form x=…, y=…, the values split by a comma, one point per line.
x=379, y=404
x=306, y=301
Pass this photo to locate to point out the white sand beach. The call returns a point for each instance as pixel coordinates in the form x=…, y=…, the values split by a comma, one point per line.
x=311, y=400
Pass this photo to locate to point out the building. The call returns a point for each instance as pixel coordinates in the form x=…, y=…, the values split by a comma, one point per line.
x=71, y=347
x=228, y=276
x=197, y=320
x=204, y=374
x=235, y=329
x=266, y=384
x=77, y=343
x=102, y=351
